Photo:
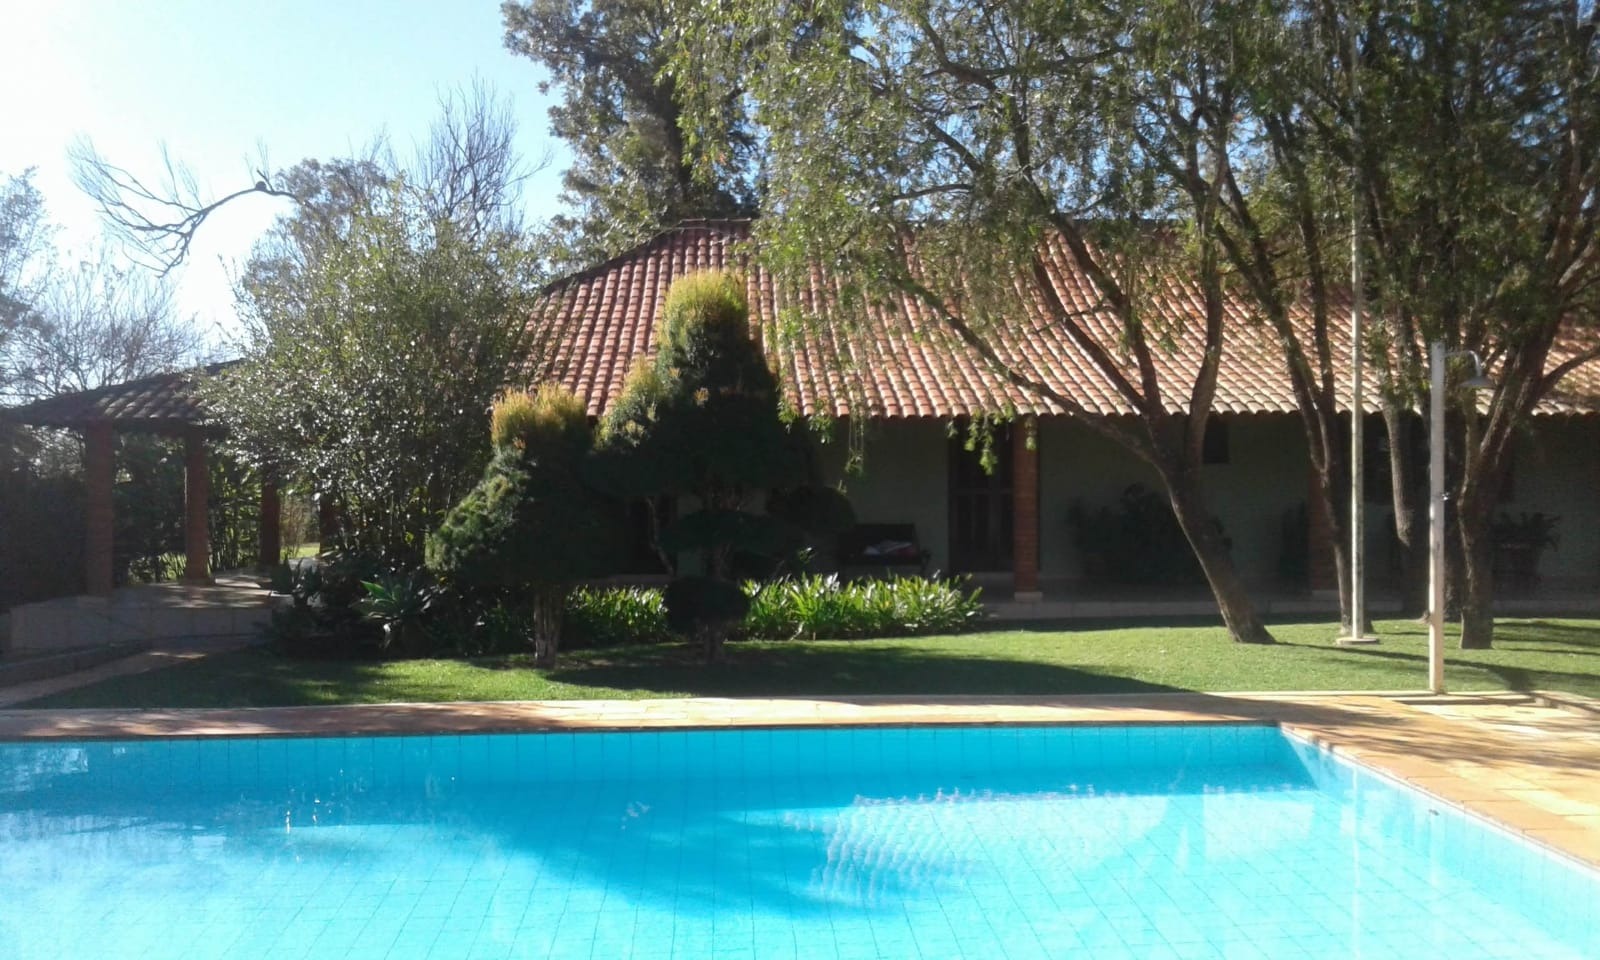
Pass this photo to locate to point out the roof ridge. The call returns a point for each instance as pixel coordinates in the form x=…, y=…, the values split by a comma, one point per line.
x=709, y=224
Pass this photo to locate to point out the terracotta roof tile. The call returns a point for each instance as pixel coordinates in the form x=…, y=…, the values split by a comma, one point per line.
x=163, y=402
x=905, y=363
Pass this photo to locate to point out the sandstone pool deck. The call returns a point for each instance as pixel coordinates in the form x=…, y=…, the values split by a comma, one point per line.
x=1529, y=762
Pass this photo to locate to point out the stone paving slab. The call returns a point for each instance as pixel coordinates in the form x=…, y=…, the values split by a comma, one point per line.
x=1533, y=768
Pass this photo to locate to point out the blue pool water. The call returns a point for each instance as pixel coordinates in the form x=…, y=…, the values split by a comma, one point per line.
x=1102, y=842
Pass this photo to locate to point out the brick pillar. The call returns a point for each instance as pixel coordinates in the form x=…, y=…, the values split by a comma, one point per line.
x=269, y=543
x=1322, y=574
x=99, y=478
x=327, y=521
x=1025, y=508
x=196, y=492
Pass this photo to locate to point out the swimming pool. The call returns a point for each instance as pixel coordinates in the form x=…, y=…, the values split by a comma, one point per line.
x=1015, y=842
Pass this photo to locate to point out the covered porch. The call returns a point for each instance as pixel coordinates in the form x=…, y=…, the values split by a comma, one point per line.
x=199, y=604
x=1017, y=529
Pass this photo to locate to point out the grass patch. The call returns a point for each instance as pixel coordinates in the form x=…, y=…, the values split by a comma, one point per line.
x=1529, y=654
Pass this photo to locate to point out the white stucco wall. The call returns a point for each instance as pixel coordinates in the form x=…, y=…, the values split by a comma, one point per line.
x=906, y=474
x=904, y=479
x=1556, y=470
x=1265, y=476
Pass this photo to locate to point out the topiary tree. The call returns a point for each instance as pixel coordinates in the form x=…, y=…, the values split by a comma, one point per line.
x=532, y=526
x=702, y=421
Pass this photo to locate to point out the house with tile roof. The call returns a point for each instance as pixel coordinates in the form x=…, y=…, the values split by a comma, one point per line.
x=905, y=380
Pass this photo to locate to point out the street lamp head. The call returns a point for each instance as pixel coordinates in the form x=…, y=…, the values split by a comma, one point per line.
x=1477, y=381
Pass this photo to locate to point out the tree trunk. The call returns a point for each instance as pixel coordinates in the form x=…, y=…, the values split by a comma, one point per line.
x=1233, y=600
x=713, y=637
x=1409, y=526
x=546, y=614
x=1332, y=495
x=1473, y=525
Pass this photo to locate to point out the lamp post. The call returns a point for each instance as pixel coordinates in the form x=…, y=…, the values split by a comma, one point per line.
x=1438, y=356
x=1357, y=632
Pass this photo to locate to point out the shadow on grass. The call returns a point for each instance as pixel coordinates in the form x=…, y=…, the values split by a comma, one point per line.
x=256, y=678
x=833, y=669
x=1519, y=679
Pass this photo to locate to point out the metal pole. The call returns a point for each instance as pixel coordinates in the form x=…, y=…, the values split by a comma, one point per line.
x=1358, y=501
x=1358, y=466
x=1436, y=360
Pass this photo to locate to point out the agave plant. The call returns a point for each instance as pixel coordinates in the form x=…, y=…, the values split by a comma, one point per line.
x=399, y=602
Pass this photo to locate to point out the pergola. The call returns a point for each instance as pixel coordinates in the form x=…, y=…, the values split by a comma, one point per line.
x=165, y=405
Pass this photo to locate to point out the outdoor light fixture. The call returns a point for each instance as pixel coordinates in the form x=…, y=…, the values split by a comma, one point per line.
x=1438, y=357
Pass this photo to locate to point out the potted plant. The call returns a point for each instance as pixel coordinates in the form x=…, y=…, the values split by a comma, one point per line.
x=1519, y=542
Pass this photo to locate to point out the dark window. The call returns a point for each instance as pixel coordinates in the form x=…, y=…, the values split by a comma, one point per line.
x=1214, y=448
x=980, y=506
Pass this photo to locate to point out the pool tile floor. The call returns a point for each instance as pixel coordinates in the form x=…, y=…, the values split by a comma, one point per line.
x=1530, y=762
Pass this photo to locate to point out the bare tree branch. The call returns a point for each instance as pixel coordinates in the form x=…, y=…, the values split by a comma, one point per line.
x=161, y=221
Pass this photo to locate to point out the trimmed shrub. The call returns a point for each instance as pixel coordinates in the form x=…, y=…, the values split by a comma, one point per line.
x=533, y=525
x=520, y=417
x=703, y=421
x=704, y=608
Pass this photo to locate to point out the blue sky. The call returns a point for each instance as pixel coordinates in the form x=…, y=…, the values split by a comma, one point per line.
x=218, y=80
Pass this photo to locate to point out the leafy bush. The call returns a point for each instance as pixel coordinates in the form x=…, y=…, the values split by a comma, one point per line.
x=610, y=616
x=826, y=608
x=41, y=528
x=324, y=619
x=813, y=607
x=468, y=629
x=398, y=602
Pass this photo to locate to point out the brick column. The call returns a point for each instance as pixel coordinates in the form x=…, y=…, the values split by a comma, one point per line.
x=1025, y=508
x=196, y=491
x=327, y=520
x=99, y=477
x=269, y=543
x=1322, y=574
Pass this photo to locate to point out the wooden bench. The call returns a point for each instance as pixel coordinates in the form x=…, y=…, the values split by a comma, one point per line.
x=887, y=545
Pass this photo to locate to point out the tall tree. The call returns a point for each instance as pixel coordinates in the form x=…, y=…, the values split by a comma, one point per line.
x=467, y=172
x=382, y=315
x=369, y=372
x=620, y=112
x=1479, y=162
x=943, y=149
x=25, y=255
x=95, y=324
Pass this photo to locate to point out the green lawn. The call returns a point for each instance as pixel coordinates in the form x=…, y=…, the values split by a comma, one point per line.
x=302, y=551
x=1530, y=654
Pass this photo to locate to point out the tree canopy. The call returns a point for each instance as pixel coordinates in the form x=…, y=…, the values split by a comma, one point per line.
x=621, y=112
